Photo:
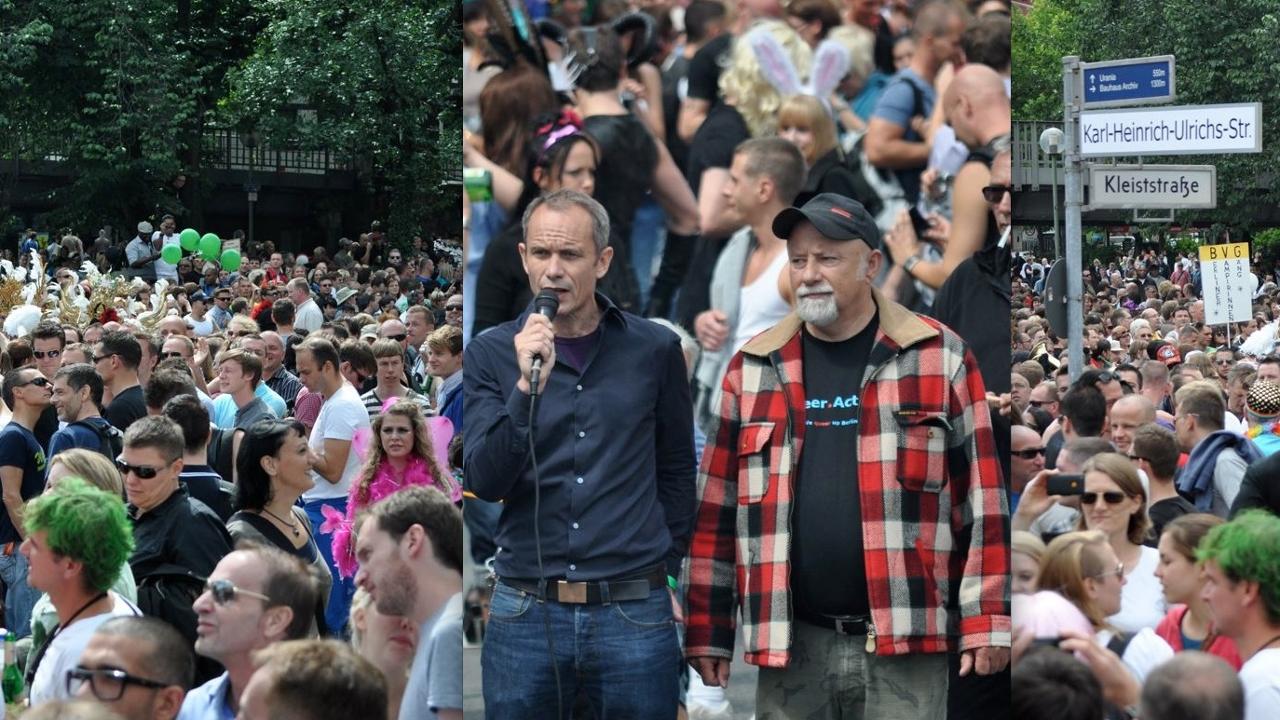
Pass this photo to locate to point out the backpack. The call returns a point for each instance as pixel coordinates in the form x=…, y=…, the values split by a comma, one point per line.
x=879, y=183
x=168, y=593
x=109, y=436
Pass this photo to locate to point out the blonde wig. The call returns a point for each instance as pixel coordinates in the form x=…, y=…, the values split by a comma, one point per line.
x=745, y=87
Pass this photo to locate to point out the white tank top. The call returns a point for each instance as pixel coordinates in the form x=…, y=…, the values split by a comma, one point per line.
x=760, y=307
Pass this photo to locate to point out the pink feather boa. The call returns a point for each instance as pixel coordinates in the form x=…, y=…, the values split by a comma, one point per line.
x=385, y=482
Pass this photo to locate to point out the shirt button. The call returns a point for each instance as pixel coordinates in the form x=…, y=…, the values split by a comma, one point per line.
x=575, y=526
x=573, y=567
x=582, y=433
x=579, y=481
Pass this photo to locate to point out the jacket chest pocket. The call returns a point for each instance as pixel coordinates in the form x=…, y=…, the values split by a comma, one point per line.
x=753, y=461
x=922, y=450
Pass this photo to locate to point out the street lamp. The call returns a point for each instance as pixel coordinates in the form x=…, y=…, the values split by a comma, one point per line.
x=1051, y=145
x=250, y=141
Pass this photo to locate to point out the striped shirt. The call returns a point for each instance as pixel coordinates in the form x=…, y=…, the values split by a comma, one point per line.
x=373, y=403
x=286, y=385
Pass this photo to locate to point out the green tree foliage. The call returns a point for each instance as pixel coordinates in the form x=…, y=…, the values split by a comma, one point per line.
x=1225, y=54
x=380, y=81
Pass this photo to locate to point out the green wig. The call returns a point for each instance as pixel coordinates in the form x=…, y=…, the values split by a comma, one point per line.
x=1246, y=549
x=85, y=524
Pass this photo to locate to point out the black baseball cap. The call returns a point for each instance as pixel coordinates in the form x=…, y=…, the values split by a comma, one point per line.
x=835, y=216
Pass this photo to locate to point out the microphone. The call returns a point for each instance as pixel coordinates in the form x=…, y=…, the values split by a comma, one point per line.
x=547, y=305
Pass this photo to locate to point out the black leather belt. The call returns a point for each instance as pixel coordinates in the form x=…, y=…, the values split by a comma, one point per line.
x=855, y=625
x=597, y=592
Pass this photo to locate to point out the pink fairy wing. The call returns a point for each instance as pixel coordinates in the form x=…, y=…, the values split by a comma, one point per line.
x=361, y=441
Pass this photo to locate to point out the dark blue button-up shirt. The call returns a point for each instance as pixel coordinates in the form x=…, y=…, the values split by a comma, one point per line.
x=614, y=446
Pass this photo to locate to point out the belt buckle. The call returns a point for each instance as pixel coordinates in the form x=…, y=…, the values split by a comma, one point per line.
x=571, y=592
x=847, y=625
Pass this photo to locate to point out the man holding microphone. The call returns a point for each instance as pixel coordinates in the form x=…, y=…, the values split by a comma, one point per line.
x=597, y=484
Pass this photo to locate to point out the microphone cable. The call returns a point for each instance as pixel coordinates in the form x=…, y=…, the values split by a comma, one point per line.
x=537, y=543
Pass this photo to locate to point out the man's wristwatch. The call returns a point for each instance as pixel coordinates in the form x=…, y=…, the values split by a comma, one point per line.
x=911, y=262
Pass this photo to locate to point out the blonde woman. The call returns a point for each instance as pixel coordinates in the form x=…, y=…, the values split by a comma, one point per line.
x=1025, y=555
x=1083, y=568
x=803, y=120
x=1115, y=503
x=387, y=641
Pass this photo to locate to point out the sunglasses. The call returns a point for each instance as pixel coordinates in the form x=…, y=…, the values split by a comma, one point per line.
x=1111, y=497
x=1118, y=572
x=995, y=193
x=146, y=472
x=38, y=381
x=42, y=354
x=100, y=358
x=225, y=591
x=1136, y=458
x=107, y=684
x=1028, y=454
x=453, y=308
x=222, y=298
x=397, y=338
x=172, y=354
x=1040, y=403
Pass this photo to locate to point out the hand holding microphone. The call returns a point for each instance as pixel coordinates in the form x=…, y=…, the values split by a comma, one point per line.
x=536, y=344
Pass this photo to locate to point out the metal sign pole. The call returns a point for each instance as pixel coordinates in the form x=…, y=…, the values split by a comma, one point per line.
x=1074, y=200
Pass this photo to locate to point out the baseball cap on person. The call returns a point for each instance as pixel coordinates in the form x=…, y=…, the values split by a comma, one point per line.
x=835, y=216
x=1168, y=355
x=198, y=296
x=144, y=227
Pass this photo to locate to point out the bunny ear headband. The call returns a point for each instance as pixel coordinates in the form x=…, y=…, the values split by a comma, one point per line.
x=830, y=64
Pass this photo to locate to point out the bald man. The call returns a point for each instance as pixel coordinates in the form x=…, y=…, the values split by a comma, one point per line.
x=1127, y=415
x=1026, y=459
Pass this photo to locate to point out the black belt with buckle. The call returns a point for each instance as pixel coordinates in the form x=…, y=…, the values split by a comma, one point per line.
x=852, y=625
x=598, y=592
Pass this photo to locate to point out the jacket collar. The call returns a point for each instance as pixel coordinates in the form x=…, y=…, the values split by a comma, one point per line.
x=608, y=311
x=901, y=326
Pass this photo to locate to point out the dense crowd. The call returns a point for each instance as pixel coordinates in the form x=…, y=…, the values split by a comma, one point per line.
x=694, y=126
x=1145, y=515
x=229, y=477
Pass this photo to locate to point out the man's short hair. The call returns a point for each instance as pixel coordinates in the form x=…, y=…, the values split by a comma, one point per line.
x=249, y=363
x=282, y=312
x=698, y=17
x=386, y=347
x=1246, y=549
x=1048, y=684
x=1081, y=450
x=123, y=344
x=779, y=160
x=359, y=355
x=156, y=431
x=1193, y=686
x=564, y=199
x=169, y=658
x=192, y=418
x=322, y=351
x=933, y=18
x=446, y=339
x=1154, y=372
x=85, y=524
x=1204, y=400
x=151, y=340
x=289, y=582
x=166, y=384
x=49, y=331
x=1159, y=447
x=987, y=41
x=1086, y=408
x=80, y=375
x=299, y=284
x=321, y=680
x=429, y=508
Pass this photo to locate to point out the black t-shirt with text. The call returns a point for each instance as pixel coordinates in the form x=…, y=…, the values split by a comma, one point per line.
x=827, y=570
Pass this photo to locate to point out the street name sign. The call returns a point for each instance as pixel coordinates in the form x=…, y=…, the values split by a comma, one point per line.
x=1153, y=186
x=1177, y=130
x=1135, y=81
x=1224, y=272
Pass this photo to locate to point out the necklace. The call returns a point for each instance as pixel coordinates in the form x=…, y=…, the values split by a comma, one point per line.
x=293, y=526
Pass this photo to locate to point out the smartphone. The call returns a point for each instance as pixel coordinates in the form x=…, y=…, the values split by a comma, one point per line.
x=1065, y=484
x=918, y=222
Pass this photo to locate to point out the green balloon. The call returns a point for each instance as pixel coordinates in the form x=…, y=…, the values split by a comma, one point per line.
x=171, y=254
x=189, y=239
x=231, y=260
x=210, y=244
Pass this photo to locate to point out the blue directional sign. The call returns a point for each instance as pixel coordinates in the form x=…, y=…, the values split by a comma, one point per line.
x=1136, y=81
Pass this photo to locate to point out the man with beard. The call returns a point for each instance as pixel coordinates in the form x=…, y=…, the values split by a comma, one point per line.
x=854, y=434
x=410, y=554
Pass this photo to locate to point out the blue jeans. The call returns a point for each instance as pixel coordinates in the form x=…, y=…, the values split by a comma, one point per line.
x=647, y=234
x=343, y=589
x=622, y=657
x=19, y=597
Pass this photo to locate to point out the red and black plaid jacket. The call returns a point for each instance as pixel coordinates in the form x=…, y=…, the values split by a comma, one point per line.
x=934, y=517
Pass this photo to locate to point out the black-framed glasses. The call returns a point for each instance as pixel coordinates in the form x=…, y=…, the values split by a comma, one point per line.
x=100, y=358
x=42, y=354
x=1111, y=497
x=146, y=472
x=995, y=193
x=1028, y=454
x=38, y=381
x=106, y=684
x=225, y=591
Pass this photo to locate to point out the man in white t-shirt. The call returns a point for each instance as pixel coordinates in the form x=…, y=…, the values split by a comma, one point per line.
x=306, y=315
x=410, y=553
x=335, y=465
x=78, y=539
x=1243, y=593
x=166, y=235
